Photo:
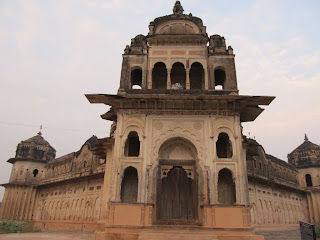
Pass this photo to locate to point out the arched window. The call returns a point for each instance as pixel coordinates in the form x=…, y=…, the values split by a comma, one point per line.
x=224, y=146
x=196, y=76
x=132, y=146
x=226, y=187
x=35, y=172
x=129, y=186
x=220, y=78
x=308, y=180
x=159, y=76
x=136, y=79
x=178, y=75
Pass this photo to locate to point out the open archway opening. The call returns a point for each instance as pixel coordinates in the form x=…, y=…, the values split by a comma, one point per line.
x=177, y=187
x=178, y=76
x=132, y=145
x=226, y=187
x=136, y=79
x=224, y=146
x=159, y=76
x=196, y=76
x=308, y=180
x=220, y=78
x=129, y=186
x=35, y=172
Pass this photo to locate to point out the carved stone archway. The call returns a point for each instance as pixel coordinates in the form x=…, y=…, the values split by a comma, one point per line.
x=177, y=183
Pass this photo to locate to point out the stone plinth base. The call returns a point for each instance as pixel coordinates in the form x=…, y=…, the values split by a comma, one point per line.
x=175, y=233
x=68, y=225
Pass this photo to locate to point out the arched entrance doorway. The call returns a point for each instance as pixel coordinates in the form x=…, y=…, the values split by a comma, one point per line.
x=177, y=184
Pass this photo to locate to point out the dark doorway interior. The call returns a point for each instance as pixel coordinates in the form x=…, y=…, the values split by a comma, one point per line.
x=132, y=146
x=226, y=188
x=308, y=180
x=129, y=186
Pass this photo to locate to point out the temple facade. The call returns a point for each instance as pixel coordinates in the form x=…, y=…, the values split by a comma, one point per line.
x=176, y=161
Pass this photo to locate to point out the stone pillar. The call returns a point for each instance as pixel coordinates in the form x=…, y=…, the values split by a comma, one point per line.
x=315, y=207
x=206, y=79
x=106, y=194
x=310, y=208
x=149, y=78
x=187, y=78
x=168, y=78
x=143, y=80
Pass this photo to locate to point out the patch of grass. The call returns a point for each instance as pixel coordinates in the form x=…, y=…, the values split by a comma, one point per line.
x=12, y=226
x=317, y=228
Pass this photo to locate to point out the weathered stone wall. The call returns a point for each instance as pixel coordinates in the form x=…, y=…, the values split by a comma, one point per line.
x=18, y=202
x=314, y=174
x=72, y=201
x=27, y=172
x=275, y=206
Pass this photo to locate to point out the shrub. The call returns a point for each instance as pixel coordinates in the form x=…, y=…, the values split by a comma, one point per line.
x=12, y=226
x=317, y=228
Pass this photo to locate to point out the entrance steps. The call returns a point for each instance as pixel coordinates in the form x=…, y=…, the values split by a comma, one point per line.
x=177, y=236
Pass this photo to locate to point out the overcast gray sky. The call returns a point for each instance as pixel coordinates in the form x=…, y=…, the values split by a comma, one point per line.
x=52, y=52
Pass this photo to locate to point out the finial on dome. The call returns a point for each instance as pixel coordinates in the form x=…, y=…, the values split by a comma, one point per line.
x=306, y=137
x=39, y=133
x=177, y=9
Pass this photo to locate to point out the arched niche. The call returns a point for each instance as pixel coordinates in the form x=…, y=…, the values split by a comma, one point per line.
x=132, y=145
x=136, y=78
x=308, y=180
x=178, y=75
x=177, y=184
x=178, y=27
x=197, y=76
x=224, y=146
x=226, y=187
x=159, y=76
x=129, y=186
x=219, y=78
x=178, y=149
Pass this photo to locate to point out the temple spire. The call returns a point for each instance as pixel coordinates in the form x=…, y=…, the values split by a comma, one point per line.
x=306, y=137
x=177, y=9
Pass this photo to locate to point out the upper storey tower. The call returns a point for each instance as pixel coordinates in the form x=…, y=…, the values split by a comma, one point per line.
x=177, y=54
x=176, y=66
x=31, y=157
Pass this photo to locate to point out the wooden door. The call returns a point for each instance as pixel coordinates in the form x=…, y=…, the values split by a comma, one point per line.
x=177, y=196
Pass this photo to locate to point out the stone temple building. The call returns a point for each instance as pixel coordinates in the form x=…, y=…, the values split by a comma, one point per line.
x=176, y=163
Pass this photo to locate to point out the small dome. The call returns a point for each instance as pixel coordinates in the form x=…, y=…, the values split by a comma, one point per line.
x=35, y=148
x=305, y=155
x=38, y=139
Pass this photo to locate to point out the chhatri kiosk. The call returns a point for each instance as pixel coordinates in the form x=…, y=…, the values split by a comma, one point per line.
x=176, y=157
